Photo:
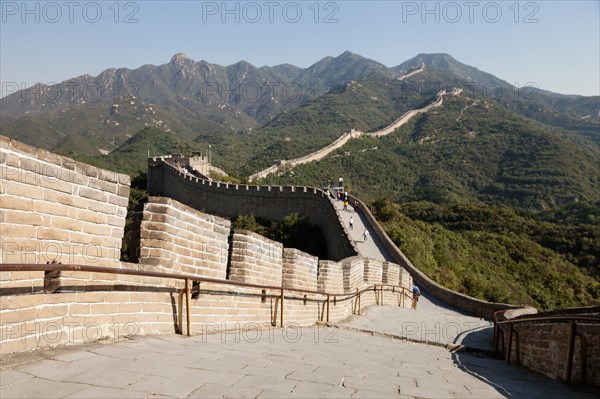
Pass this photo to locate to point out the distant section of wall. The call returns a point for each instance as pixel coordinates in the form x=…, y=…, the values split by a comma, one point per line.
x=255, y=259
x=54, y=209
x=272, y=203
x=197, y=163
x=315, y=156
x=177, y=238
x=346, y=136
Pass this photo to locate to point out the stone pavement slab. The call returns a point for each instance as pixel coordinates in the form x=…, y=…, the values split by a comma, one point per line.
x=354, y=365
x=432, y=321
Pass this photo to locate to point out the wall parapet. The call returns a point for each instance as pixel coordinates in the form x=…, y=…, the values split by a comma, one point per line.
x=464, y=302
x=562, y=345
x=56, y=209
x=272, y=203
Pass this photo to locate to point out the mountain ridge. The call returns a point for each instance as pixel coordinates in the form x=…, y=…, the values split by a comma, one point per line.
x=197, y=98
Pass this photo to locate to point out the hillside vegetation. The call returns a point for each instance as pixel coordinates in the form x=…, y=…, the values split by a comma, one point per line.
x=495, y=254
x=467, y=151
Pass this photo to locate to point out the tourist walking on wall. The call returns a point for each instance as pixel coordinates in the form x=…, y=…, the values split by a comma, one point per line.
x=346, y=205
x=416, y=294
x=351, y=223
x=365, y=235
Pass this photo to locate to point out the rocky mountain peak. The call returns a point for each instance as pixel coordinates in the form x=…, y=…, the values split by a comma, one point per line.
x=178, y=60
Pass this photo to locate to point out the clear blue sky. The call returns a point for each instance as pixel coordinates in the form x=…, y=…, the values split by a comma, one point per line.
x=554, y=44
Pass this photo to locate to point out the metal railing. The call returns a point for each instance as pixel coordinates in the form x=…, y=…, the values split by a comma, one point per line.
x=571, y=319
x=378, y=289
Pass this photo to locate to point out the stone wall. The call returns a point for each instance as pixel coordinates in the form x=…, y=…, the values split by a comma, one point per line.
x=272, y=203
x=391, y=274
x=255, y=259
x=373, y=271
x=54, y=209
x=177, y=238
x=299, y=269
x=330, y=277
x=542, y=347
x=354, y=274
x=49, y=202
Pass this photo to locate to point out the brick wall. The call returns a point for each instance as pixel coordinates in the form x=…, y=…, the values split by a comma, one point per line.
x=373, y=271
x=542, y=346
x=353, y=269
x=255, y=259
x=299, y=269
x=391, y=273
x=177, y=238
x=330, y=277
x=50, y=203
x=53, y=208
x=272, y=203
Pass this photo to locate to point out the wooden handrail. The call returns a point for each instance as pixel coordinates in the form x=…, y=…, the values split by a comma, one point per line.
x=24, y=267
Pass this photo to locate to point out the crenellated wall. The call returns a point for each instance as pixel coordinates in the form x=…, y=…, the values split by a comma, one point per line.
x=272, y=203
x=49, y=202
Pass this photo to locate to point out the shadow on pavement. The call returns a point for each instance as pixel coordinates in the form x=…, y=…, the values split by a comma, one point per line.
x=514, y=381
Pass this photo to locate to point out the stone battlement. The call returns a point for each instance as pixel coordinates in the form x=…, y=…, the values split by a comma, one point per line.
x=50, y=204
x=269, y=202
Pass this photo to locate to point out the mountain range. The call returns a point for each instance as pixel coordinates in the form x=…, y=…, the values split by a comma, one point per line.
x=195, y=98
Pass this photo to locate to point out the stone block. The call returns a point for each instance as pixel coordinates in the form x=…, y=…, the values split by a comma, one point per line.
x=16, y=203
x=19, y=189
x=93, y=194
x=26, y=218
x=118, y=200
x=45, y=233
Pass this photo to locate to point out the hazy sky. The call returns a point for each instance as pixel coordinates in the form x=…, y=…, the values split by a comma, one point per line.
x=554, y=44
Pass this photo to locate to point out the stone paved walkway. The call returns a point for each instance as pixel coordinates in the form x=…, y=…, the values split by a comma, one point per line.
x=433, y=320
x=372, y=247
x=321, y=361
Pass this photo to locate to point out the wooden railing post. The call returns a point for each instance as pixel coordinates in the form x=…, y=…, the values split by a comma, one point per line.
x=180, y=312
x=281, y=308
x=570, y=350
x=509, y=346
x=188, y=306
